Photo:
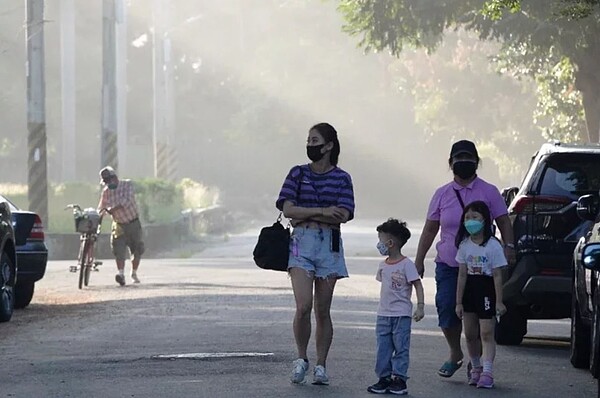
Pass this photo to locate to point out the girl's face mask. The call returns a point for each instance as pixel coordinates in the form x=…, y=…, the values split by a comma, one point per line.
x=473, y=227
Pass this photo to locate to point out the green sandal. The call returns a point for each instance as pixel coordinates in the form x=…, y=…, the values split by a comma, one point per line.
x=449, y=368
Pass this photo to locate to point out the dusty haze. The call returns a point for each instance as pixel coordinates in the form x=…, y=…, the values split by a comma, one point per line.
x=251, y=78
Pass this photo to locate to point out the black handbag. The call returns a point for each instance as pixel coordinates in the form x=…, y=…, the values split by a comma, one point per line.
x=272, y=250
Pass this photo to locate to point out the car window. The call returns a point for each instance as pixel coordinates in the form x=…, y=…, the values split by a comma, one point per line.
x=571, y=175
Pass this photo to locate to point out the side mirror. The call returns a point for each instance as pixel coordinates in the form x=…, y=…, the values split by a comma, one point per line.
x=587, y=207
x=5, y=209
x=590, y=258
x=509, y=194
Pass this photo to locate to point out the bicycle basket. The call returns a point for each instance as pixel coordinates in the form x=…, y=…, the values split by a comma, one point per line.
x=88, y=221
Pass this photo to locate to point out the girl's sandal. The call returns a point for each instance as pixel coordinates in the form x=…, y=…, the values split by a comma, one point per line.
x=449, y=368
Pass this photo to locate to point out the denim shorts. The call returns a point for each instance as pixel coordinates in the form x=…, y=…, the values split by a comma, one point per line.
x=310, y=249
x=446, y=278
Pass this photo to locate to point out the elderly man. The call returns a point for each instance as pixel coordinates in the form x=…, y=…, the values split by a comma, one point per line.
x=118, y=200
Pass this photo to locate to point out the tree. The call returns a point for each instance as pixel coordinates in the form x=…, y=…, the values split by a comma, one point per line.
x=537, y=32
x=458, y=94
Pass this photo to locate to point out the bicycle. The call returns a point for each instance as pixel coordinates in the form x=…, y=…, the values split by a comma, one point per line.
x=88, y=223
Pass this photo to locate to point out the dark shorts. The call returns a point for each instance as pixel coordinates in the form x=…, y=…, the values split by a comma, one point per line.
x=480, y=296
x=446, y=278
x=126, y=238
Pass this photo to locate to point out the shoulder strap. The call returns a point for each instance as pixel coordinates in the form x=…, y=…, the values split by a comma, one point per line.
x=462, y=204
x=300, y=175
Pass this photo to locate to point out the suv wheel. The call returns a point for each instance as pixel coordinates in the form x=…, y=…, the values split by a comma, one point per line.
x=512, y=326
x=595, y=348
x=580, y=337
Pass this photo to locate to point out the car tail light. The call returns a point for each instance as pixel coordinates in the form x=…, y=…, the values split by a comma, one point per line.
x=37, y=231
x=552, y=272
x=529, y=204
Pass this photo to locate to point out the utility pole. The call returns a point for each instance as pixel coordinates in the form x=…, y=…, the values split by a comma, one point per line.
x=67, y=62
x=36, y=111
x=163, y=101
x=109, y=154
x=121, y=82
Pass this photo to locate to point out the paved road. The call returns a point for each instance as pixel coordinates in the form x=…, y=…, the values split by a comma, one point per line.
x=106, y=340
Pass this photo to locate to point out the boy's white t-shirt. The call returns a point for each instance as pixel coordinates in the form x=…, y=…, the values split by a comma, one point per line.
x=396, y=287
x=481, y=260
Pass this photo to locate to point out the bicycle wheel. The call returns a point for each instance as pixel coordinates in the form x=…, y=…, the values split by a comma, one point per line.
x=89, y=262
x=83, y=262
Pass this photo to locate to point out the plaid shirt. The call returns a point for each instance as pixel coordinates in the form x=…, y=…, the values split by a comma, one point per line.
x=124, y=196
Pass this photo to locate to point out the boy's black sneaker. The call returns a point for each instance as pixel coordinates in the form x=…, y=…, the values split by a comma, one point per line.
x=381, y=386
x=398, y=387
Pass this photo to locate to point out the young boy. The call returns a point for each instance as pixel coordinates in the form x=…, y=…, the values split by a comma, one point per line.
x=397, y=274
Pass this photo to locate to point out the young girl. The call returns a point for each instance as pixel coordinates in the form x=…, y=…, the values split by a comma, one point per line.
x=479, y=289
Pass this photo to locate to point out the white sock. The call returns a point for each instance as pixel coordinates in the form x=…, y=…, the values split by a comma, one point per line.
x=122, y=272
x=476, y=362
x=487, y=366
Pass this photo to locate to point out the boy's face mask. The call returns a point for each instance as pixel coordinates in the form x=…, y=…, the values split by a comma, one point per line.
x=112, y=185
x=383, y=249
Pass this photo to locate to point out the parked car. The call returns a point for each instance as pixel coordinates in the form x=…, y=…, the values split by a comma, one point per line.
x=31, y=252
x=585, y=321
x=8, y=263
x=546, y=228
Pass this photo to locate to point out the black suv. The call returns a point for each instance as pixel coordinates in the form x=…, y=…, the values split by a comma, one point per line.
x=585, y=319
x=543, y=212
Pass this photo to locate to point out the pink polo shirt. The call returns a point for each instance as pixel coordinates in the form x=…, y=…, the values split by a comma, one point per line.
x=123, y=195
x=445, y=208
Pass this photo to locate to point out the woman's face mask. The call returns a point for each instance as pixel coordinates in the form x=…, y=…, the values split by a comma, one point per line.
x=112, y=185
x=314, y=152
x=464, y=169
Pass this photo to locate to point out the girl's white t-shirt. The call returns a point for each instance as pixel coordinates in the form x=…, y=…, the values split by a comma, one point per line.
x=396, y=287
x=481, y=260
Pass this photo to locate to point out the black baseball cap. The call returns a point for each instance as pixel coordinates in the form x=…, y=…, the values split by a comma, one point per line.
x=464, y=146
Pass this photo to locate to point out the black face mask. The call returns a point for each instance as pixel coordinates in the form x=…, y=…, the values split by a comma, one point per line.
x=464, y=169
x=314, y=152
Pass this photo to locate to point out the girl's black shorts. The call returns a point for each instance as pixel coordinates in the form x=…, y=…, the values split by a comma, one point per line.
x=480, y=296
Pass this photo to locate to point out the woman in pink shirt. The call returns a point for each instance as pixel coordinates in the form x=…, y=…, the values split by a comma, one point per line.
x=445, y=210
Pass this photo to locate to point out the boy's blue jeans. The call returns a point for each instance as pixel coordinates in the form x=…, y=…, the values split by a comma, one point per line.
x=393, y=344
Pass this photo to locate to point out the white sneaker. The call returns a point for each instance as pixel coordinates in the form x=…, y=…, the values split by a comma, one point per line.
x=134, y=278
x=320, y=376
x=299, y=371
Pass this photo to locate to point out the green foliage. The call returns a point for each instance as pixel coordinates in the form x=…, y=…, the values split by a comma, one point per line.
x=459, y=94
x=559, y=112
x=158, y=201
x=571, y=9
x=536, y=38
x=495, y=8
x=61, y=195
x=197, y=195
